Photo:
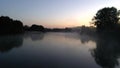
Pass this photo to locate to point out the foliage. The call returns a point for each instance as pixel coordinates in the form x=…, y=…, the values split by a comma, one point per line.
x=106, y=19
x=10, y=26
x=35, y=27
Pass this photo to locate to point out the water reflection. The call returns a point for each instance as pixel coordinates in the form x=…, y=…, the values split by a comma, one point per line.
x=85, y=38
x=59, y=50
x=34, y=36
x=107, y=51
x=55, y=50
x=9, y=42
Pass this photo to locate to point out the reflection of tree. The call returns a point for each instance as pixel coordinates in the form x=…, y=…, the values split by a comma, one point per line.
x=85, y=38
x=34, y=35
x=107, y=51
x=9, y=42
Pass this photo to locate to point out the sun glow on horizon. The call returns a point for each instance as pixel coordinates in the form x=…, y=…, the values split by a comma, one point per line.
x=64, y=23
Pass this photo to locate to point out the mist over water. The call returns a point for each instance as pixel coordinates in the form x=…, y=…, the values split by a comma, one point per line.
x=58, y=50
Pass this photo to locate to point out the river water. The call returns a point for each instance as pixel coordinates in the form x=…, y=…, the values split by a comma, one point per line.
x=57, y=50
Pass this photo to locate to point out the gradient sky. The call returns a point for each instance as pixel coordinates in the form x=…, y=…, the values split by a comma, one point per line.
x=54, y=13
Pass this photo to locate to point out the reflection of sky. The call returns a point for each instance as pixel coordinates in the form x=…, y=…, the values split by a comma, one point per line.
x=55, y=50
x=54, y=13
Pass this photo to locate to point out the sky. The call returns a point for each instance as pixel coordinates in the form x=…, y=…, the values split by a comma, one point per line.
x=54, y=13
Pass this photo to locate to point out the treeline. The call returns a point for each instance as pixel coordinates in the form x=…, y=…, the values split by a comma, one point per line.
x=34, y=27
x=10, y=26
x=41, y=28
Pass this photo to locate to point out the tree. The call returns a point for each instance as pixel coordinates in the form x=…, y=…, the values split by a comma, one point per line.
x=35, y=27
x=10, y=26
x=106, y=19
x=18, y=25
x=26, y=28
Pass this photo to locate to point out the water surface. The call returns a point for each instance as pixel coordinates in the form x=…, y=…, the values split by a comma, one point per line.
x=53, y=50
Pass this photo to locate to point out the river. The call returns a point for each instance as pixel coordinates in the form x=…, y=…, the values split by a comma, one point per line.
x=57, y=50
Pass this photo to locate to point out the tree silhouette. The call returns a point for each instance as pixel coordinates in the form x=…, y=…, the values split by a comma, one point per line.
x=18, y=25
x=26, y=28
x=106, y=19
x=10, y=26
x=35, y=27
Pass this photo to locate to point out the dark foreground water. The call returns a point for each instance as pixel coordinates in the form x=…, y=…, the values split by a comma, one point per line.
x=58, y=50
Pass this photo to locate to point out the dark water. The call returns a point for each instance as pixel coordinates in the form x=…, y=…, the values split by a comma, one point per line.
x=58, y=50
